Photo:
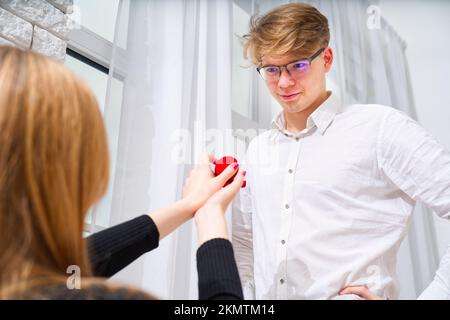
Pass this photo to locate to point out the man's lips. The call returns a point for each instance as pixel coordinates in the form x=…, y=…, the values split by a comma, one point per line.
x=289, y=96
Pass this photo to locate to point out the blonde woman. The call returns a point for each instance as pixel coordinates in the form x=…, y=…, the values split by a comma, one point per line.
x=54, y=166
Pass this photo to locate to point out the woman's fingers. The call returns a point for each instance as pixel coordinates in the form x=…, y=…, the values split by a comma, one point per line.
x=236, y=185
x=211, y=158
x=206, y=158
x=360, y=291
x=226, y=174
x=223, y=197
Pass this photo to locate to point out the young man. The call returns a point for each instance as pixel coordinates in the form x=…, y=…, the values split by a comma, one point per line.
x=330, y=187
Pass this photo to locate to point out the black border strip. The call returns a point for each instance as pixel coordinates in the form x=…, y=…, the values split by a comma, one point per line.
x=88, y=61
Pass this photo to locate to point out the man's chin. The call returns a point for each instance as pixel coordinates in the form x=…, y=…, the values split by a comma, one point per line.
x=293, y=108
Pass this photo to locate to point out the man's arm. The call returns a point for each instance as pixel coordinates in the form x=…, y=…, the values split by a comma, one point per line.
x=413, y=160
x=242, y=240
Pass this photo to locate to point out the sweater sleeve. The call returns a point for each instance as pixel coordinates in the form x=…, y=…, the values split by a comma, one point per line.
x=113, y=249
x=218, y=277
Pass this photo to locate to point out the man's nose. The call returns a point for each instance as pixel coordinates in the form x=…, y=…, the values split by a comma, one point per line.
x=286, y=79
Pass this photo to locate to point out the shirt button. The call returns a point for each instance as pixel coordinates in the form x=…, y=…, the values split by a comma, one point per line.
x=296, y=139
x=286, y=206
x=281, y=281
x=283, y=242
x=290, y=171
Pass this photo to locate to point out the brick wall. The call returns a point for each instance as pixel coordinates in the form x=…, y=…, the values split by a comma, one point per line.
x=41, y=25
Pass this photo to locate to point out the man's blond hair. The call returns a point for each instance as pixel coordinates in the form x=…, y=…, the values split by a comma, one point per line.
x=296, y=29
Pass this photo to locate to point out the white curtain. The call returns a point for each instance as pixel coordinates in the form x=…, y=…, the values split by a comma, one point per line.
x=177, y=102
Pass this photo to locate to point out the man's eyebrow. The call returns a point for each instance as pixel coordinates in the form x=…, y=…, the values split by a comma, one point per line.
x=280, y=65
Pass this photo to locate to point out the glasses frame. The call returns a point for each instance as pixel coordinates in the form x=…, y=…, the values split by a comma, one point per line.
x=280, y=68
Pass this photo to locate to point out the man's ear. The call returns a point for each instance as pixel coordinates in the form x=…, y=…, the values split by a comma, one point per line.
x=328, y=58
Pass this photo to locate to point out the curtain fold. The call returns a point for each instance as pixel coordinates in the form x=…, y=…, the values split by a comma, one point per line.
x=177, y=103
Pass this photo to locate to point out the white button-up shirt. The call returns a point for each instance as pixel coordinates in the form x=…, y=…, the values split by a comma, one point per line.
x=328, y=207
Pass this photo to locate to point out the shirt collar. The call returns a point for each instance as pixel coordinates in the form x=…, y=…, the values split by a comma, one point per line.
x=322, y=117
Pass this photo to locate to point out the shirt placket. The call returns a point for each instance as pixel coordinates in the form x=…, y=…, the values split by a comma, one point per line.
x=286, y=215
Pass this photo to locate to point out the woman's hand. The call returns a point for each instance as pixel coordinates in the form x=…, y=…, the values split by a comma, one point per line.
x=202, y=184
x=210, y=218
x=362, y=292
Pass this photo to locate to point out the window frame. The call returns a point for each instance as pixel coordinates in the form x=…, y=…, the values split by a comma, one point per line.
x=90, y=48
x=93, y=47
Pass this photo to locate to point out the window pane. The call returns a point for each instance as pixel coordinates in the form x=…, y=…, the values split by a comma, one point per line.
x=98, y=83
x=95, y=79
x=99, y=16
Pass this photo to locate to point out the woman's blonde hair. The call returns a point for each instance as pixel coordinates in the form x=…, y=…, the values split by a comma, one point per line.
x=53, y=167
x=296, y=29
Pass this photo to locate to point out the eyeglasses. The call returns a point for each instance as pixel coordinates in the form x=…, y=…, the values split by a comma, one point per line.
x=295, y=69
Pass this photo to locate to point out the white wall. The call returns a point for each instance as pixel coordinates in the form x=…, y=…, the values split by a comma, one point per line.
x=425, y=26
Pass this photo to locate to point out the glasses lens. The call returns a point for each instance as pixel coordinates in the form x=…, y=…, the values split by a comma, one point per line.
x=298, y=69
x=269, y=73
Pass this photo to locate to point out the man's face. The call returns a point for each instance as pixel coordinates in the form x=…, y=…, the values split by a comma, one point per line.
x=298, y=94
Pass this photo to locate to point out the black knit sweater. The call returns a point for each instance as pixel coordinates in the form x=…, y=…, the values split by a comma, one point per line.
x=114, y=248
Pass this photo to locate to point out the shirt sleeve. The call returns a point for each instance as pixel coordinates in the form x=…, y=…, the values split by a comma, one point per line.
x=417, y=164
x=218, y=277
x=114, y=248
